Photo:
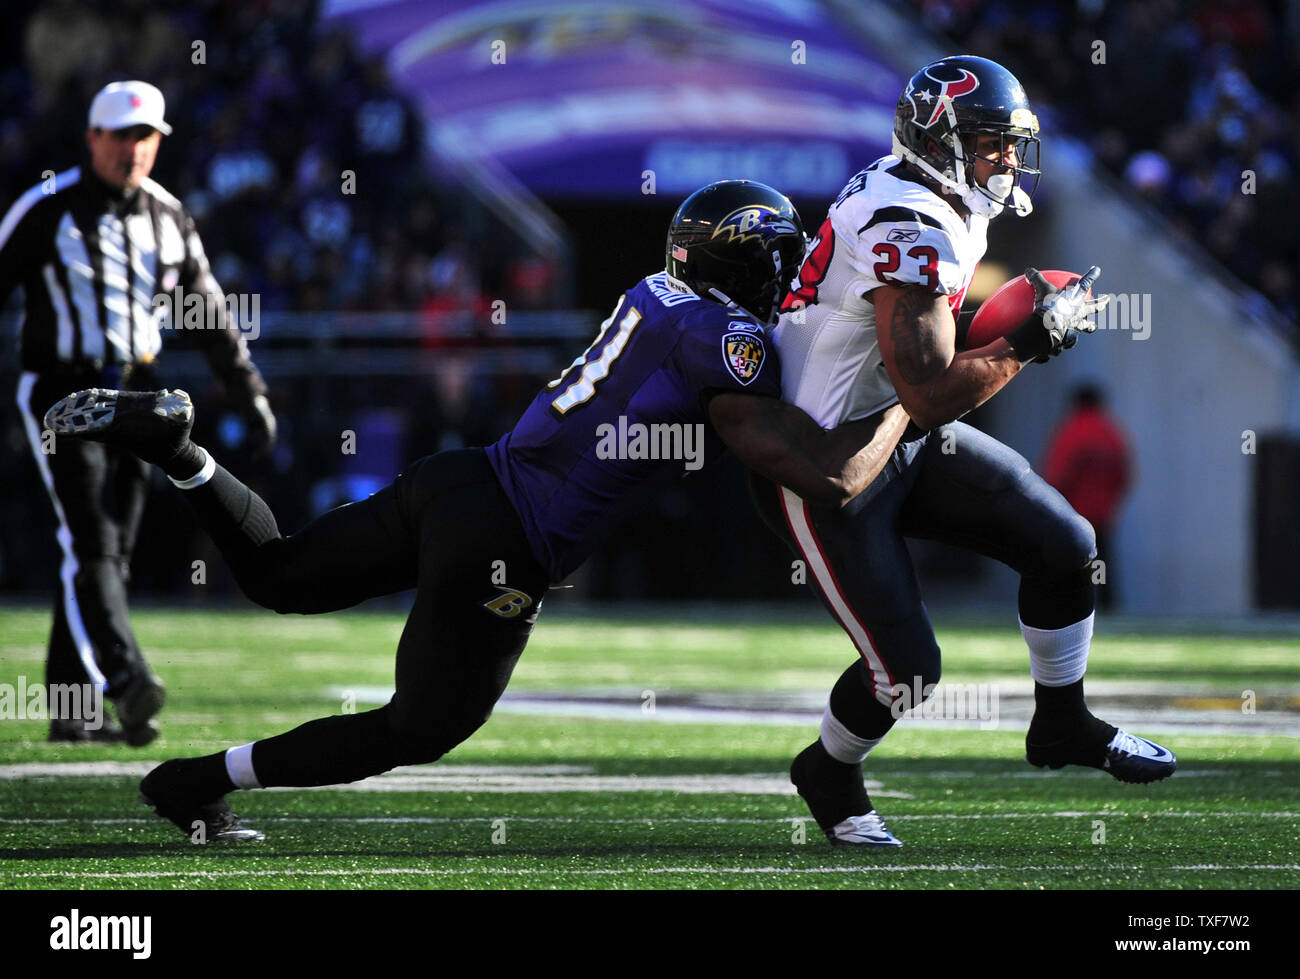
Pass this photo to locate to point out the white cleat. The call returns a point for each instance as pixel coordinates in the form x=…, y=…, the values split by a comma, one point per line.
x=868, y=830
x=1133, y=759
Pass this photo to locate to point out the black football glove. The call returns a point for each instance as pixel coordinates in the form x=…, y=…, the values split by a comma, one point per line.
x=1060, y=315
x=261, y=427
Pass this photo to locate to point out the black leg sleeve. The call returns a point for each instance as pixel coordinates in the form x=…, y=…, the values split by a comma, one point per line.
x=341, y=558
x=466, y=630
x=329, y=750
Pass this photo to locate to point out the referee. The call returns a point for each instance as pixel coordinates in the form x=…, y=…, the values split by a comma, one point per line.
x=92, y=247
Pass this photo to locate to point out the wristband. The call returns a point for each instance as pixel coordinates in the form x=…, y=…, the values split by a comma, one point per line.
x=1031, y=341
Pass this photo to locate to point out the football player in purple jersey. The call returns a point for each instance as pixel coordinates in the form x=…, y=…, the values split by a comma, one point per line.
x=679, y=370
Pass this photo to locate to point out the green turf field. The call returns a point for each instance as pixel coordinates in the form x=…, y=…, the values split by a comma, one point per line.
x=652, y=751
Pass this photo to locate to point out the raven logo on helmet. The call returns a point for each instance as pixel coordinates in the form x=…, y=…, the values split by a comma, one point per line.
x=737, y=242
x=758, y=221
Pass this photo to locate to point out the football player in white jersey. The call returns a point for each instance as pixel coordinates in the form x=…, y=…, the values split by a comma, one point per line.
x=871, y=321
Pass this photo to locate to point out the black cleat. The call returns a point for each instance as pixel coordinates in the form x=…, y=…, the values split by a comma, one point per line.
x=202, y=821
x=153, y=425
x=143, y=698
x=66, y=731
x=838, y=800
x=1125, y=756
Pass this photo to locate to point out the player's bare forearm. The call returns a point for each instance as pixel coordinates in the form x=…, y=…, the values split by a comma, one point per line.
x=782, y=443
x=777, y=441
x=918, y=344
x=967, y=382
x=859, y=450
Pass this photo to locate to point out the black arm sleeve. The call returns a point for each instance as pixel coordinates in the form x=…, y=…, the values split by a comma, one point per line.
x=225, y=347
x=15, y=251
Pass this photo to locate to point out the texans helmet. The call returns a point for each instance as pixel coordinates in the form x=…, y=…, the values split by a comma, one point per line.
x=942, y=112
x=737, y=241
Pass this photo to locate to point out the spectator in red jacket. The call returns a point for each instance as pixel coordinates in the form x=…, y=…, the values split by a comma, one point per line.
x=1089, y=461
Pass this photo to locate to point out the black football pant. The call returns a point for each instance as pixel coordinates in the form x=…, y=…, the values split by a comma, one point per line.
x=98, y=495
x=443, y=527
x=956, y=485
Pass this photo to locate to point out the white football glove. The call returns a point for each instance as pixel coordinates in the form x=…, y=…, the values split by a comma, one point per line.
x=1060, y=315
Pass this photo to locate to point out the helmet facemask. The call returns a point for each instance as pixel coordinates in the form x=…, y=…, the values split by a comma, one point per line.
x=760, y=294
x=1005, y=188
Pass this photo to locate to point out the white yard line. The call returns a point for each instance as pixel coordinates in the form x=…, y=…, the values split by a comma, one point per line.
x=667, y=820
x=574, y=778
x=481, y=779
x=897, y=868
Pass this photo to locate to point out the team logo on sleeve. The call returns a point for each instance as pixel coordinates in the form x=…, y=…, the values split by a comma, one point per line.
x=743, y=354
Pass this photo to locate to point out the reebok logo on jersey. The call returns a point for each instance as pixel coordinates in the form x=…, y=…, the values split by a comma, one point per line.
x=743, y=354
x=900, y=234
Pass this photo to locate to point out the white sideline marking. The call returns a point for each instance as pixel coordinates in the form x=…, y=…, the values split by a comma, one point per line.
x=668, y=820
x=482, y=779
x=755, y=784
x=567, y=778
x=804, y=708
x=91, y=769
x=602, y=871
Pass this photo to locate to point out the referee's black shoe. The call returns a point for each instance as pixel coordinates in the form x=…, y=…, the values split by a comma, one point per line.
x=136, y=706
x=73, y=731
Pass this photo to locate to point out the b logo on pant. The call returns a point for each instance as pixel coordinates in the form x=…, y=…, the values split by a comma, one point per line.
x=509, y=603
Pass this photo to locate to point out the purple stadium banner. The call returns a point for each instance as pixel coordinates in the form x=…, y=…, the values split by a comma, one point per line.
x=578, y=99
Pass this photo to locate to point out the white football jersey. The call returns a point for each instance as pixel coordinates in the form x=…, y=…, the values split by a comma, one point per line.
x=881, y=229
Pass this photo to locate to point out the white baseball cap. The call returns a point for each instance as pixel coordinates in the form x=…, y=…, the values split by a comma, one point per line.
x=124, y=104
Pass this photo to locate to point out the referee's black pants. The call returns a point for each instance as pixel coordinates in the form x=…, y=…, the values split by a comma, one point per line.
x=443, y=527
x=98, y=495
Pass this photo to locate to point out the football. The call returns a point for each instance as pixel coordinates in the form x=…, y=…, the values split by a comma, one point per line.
x=1009, y=306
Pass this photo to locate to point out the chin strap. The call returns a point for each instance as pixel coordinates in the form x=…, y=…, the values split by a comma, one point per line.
x=978, y=199
x=730, y=303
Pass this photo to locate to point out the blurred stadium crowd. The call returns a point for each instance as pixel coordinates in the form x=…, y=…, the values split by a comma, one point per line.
x=263, y=133
x=1191, y=94
x=269, y=111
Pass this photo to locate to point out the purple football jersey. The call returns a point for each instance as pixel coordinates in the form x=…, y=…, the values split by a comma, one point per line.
x=626, y=415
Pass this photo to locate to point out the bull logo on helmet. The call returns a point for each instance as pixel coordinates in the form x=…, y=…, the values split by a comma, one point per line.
x=942, y=99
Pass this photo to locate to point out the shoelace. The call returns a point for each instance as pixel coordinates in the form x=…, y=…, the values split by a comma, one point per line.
x=1126, y=743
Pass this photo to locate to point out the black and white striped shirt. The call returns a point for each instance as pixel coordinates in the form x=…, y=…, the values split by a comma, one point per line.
x=91, y=262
